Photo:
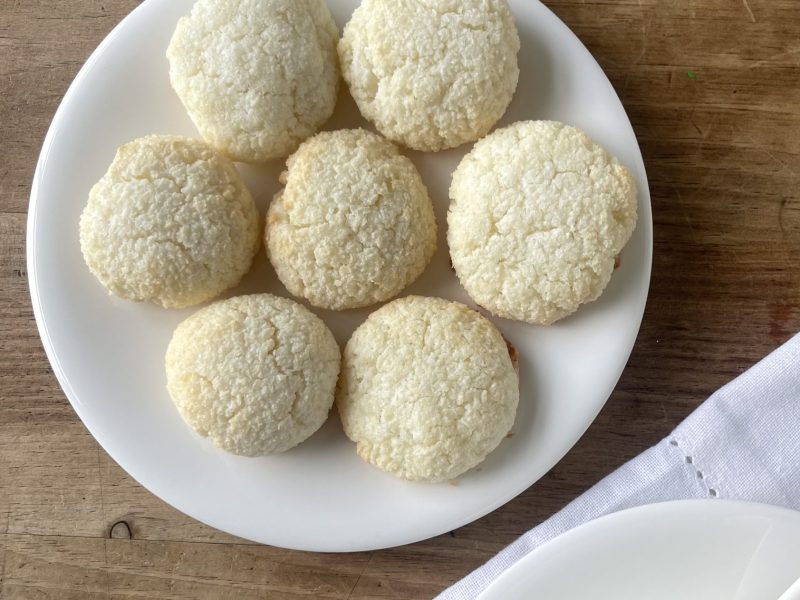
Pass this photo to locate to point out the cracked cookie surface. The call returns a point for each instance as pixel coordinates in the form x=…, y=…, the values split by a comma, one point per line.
x=538, y=214
x=256, y=76
x=256, y=374
x=170, y=222
x=431, y=74
x=354, y=225
x=428, y=389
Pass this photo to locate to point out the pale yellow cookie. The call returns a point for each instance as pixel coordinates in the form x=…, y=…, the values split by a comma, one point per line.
x=171, y=222
x=538, y=214
x=256, y=76
x=256, y=374
x=428, y=389
x=431, y=74
x=354, y=225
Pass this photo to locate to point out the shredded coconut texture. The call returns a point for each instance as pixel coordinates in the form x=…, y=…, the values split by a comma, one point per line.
x=354, y=225
x=170, y=222
x=431, y=74
x=256, y=76
x=428, y=389
x=256, y=374
x=538, y=214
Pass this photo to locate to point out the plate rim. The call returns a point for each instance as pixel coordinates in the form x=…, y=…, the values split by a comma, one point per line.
x=675, y=507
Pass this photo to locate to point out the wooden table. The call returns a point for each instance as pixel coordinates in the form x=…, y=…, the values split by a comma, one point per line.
x=713, y=90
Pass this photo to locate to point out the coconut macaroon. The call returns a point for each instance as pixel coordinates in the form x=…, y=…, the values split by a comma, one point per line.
x=354, y=225
x=256, y=76
x=428, y=389
x=431, y=74
x=538, y=214
x=170, y=222
x=256, y=374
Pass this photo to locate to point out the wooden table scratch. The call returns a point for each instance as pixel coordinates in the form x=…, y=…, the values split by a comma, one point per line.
x=713, y=90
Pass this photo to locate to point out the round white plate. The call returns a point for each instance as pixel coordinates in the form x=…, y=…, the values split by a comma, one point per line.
x=107, y=353
x=689, y=550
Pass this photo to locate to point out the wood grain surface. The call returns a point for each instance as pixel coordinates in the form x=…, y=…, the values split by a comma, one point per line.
x=713, y=90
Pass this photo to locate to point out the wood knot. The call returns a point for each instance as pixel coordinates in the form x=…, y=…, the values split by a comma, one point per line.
x=120, y=531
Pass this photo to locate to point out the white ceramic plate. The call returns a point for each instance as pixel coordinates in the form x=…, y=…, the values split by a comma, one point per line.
x=691, y=550
x=107, y=353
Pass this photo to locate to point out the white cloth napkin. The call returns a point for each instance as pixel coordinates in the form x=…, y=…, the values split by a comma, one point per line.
x=743, y=443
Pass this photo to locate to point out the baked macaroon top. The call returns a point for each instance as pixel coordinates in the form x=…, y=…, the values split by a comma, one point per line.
x=354, y=224
x=539, y=214
x=170, y=222
x=431, y=74
x=256, y=76
x=428, y=389
x=256, y=374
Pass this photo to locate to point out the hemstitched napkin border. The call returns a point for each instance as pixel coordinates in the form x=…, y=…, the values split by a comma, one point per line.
x=743, y=443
